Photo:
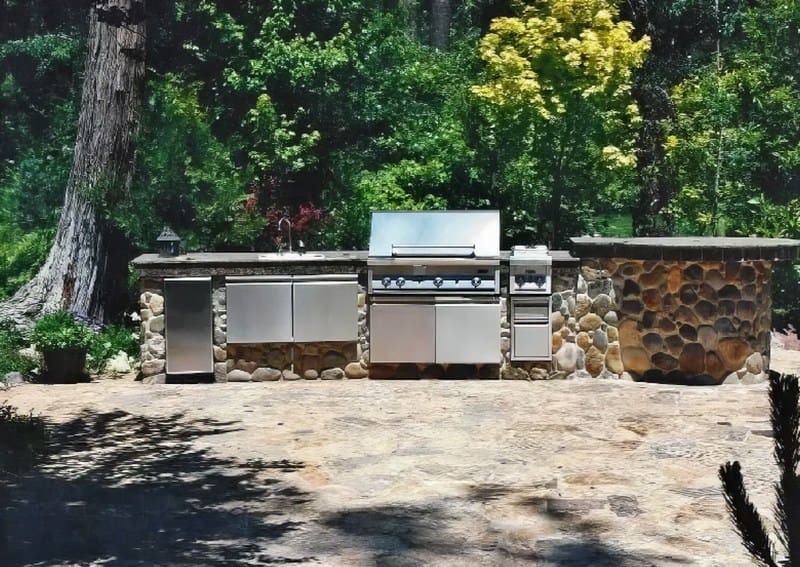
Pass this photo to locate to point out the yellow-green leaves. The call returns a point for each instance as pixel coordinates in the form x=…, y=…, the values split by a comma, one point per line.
x=558, y=52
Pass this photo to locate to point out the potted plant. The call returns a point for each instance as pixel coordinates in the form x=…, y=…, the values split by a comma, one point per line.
x=63, y=343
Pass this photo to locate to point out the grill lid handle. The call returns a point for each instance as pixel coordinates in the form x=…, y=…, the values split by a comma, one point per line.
x=461, y=250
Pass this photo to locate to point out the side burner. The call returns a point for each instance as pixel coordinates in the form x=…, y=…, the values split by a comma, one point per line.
x=530, y=289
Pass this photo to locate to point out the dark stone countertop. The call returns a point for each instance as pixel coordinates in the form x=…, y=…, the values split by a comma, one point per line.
x=694, y=248
x=242, y=263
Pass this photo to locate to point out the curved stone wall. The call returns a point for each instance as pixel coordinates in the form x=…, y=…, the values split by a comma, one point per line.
x=692, y=321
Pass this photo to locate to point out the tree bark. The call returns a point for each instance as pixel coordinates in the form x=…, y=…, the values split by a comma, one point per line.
x=441, y=15
x=657, y=181
x=651, y=92
x=85, y=271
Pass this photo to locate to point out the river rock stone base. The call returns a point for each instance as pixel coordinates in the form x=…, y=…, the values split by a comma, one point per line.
x=584, y=320
x=289, y=361
x=326, y=356
x=154, y=346
x=703, y=322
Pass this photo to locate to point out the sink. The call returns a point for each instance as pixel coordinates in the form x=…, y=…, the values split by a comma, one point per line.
x=273, y=256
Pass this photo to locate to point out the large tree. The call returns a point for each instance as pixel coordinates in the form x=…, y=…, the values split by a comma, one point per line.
x=561, y=74
x=86, y=268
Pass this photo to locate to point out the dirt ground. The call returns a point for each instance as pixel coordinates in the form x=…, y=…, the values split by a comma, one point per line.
x=583, y=473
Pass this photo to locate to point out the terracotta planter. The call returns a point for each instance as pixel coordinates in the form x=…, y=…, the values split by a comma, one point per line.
x=64, y=365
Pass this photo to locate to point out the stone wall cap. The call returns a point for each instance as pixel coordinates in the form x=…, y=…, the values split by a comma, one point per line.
x=712, y=248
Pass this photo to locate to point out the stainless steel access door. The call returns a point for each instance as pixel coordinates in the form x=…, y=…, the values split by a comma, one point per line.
x=259, y=311
x=531, y=341
x=531, y=336
x=188, y=324
x=325, y=309
x=468, y=333
x=402, y=332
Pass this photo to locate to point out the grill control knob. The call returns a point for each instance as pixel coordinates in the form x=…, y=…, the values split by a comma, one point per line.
x=520, y=281
x=401, y=281
x=437, y=281
x=476, y=281
x=387, y=281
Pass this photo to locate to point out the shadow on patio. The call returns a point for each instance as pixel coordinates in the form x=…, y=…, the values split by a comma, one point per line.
x=456, y=530
x=134, y=490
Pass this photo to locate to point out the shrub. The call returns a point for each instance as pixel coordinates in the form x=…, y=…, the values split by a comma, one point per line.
x=60, y=330
x=11, y=342
x=109, y=343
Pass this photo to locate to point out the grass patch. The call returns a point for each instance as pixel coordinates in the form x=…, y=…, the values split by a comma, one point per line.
x=615, y=225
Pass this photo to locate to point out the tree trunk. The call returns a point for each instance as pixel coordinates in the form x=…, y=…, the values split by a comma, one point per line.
x=441, y=14
x=85, y=271
x=657, y=185
x=657, y=181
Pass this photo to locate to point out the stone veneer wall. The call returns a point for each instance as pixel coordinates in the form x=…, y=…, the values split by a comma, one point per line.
x=585, y=341
x=154, y=346
x=252, y=362
x=701, y=322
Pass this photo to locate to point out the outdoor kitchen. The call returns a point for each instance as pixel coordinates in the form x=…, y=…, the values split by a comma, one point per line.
x=436, y=297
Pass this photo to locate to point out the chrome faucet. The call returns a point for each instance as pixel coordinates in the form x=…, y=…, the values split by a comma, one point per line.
x=288, y=231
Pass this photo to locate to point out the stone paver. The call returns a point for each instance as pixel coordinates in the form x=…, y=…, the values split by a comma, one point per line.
x=387, y=473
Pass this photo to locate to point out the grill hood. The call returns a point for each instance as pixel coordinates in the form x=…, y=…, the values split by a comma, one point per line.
x=467, y=234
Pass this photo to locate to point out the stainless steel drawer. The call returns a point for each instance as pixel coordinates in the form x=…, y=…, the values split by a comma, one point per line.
x=402, y=332
x=325, y=311
x=529, y=312
x=259, y=312
x=188, y=325
x=468, y=333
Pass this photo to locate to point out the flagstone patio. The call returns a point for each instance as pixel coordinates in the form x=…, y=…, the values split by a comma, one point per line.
x=360, y=472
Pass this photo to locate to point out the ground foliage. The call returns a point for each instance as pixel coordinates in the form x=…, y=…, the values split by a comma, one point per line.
x=559, y=113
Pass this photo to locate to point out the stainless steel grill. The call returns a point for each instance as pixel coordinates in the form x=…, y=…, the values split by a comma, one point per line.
x=434, y=287
x=530, y=290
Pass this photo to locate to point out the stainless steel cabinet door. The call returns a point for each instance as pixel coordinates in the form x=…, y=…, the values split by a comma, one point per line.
x=468, y=334
x=188, y=325
x=531, y=342
x=260, y=312
x=402, y=333
x=325, y=311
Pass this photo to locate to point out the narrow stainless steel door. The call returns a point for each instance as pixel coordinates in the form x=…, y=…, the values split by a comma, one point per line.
x=468, y=333
x=188, y=324
x=325, y=311
x=259, y=312
x=531, y=342
x=402, y=332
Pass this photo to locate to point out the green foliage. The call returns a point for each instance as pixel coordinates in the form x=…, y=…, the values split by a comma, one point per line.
x=109, y=342
x=60, y=330
x=11, y=342
x=21, y=255
x=558, y=83
x=187, y=178
x=741, y=120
